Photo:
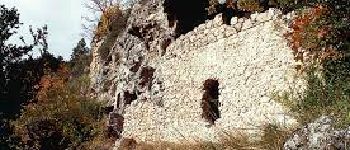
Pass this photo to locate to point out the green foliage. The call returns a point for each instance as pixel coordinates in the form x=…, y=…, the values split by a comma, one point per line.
x=324, y=32
x=80, y=59
x=112, y=23
x=335, y=20
x=18, y=76
x=338, y=20
x=9, y=53
x=333, y=97
x=62, y=117
x=323, y=98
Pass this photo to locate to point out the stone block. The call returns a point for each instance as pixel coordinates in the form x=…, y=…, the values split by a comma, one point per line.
x=254, y=16
x=247, y=24
x=209, y=24
x=240, y=20
x=238, y=27
x=217, y=21
x=262, y=17
x=201, y=27
x=234, y=21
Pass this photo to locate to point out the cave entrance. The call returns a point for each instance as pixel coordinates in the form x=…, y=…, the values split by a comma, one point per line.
x=210, y=100
x=186, y=14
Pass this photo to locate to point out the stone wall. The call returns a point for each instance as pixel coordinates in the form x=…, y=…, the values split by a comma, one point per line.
x=250, y=59
x=156, y=80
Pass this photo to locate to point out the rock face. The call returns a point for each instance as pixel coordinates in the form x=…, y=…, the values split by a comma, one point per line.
x=118, y=76
x=249, y=66
x=157, y=82
x=125, y=75
x=319, y=135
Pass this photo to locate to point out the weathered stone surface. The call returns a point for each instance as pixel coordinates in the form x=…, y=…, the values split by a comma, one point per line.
x=249, y=63
x=248, y=66
x=319, y=135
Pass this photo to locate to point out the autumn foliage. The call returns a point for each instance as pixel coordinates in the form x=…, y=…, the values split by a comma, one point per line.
x=53, y=81
x=111, y=18
x=61, y=117
x=312, y=31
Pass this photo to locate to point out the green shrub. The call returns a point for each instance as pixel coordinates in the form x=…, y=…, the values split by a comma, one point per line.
x=62, y=116
x=327, y=96
x=112, y=23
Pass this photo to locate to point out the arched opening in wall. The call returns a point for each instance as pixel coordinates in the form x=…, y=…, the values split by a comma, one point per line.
x=186, y=14
x=210, y=100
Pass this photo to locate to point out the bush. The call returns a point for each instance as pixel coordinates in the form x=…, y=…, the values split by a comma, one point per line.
x=61, y=116
x=112, y=23
x=331, y=97
x=321, y=31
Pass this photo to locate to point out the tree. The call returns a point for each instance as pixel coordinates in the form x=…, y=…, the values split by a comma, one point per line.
x=104, y=11
x=17, y=75
x=63, y=116
x=55, y=114
x=96, y=7
x=80, y=59
x=9, y=53
x=79, y=50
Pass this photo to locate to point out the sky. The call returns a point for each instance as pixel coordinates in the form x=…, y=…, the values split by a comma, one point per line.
x=63, y=18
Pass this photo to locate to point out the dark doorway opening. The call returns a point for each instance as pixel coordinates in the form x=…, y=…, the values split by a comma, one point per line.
x=210, y=101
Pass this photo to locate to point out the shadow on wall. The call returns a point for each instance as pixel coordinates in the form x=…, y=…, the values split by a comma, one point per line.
x=187, y=13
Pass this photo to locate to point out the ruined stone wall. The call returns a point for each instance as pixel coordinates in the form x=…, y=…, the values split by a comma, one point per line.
x=156, y=81
x=250, y=59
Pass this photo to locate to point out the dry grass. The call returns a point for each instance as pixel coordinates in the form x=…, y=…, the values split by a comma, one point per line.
x=273, y=138
x=129, y=144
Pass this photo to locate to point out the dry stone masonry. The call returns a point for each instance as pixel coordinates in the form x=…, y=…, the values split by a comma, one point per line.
x=215, y=79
